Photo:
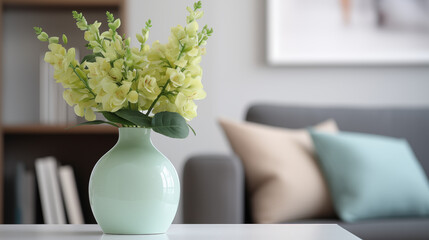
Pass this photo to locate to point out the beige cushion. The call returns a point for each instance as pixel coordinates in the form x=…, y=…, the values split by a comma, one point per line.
x=282, y=176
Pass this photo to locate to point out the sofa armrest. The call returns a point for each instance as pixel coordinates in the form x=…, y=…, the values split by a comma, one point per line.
x=213, y=190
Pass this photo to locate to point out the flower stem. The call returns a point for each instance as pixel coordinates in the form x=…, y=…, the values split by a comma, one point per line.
x=158, y=97
x=83, y=81
x=182, y=48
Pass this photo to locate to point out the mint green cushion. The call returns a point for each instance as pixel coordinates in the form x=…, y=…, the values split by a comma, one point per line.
x=372, y=176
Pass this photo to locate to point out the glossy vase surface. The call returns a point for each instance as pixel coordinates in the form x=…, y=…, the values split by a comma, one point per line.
x=133, y=188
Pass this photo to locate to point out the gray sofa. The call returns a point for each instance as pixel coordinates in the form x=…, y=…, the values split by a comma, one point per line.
x=214, y=184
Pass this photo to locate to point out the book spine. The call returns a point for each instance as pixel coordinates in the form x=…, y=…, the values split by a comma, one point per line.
x=19, y=192
x=57, y=202
x=42, y=182
x=70, y=194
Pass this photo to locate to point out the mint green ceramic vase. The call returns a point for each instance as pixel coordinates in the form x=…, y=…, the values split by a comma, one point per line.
x=133, y=188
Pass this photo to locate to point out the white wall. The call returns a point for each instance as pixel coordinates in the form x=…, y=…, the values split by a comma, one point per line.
x=236, y=74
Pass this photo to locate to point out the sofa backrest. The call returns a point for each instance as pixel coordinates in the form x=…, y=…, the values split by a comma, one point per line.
x=409, y=123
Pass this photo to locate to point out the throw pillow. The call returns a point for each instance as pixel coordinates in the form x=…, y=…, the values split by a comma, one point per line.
x=282, y=176
x=372, y=176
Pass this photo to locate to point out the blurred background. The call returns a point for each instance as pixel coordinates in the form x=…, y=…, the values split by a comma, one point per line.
x=245, y=63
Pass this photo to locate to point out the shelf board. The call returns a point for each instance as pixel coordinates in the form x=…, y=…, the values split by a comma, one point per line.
x=46, y=129
x=62, y=3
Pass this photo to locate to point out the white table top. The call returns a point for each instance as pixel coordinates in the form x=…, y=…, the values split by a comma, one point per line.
x=182, y=232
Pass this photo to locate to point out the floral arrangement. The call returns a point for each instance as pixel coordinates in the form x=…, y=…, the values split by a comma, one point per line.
x=150, y=87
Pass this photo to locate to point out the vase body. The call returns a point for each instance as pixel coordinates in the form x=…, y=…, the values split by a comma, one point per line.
x=133, y=188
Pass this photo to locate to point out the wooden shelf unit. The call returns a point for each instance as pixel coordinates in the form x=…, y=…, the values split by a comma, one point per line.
x=80, y=147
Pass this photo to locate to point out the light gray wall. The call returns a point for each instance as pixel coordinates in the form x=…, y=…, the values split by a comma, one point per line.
x=236, y=74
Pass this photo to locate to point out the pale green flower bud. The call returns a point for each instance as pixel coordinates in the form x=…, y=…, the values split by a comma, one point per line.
x=82, y=25
x=192, y=28
x=81, y=73
x=127, y=42
x=176, y=76
x=43, y=37
x=89, y=36
x=106, y=34
x=93, y=44
x=117, y=46
x=117, y=23
x=65, y=39
x=109, y=87
x=146, y=48
x=70, y=55
x=181, y=63
x=145, y=34
x=140, y=38
x=89, y=114
x=78, y=110
x=194, y=52
x=97, y=49
x=93, y=28
x=53, y=40
x=178, y=32
x=185, y=107
x=199, y=14
x=132, y=97
x=116, y=74
x=118, y=63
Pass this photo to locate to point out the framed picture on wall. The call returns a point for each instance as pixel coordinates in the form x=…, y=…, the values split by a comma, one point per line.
x=348, y=32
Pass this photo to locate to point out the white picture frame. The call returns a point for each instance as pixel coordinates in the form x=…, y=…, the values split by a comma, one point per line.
x=311, y=32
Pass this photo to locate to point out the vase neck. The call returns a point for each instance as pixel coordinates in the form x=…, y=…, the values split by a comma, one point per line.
x=134, y=136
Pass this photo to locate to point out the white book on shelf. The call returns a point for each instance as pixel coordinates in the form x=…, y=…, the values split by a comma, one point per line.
x=52, y=167
x=52, y=204
x=70, y=194
x=44, y=191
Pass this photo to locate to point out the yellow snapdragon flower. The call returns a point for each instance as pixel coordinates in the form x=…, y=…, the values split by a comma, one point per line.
x=185, y=106
x=156, y=78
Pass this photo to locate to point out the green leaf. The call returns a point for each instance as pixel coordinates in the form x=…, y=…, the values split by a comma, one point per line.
x=136, y=117
x=148, y=24
x=95, y=122
x=110, y=17
x=170, y=124
x=195, y=134
x=38, y=30
x=116, y=119
x=91, y=57
x=76, y=15
x=197, y=5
